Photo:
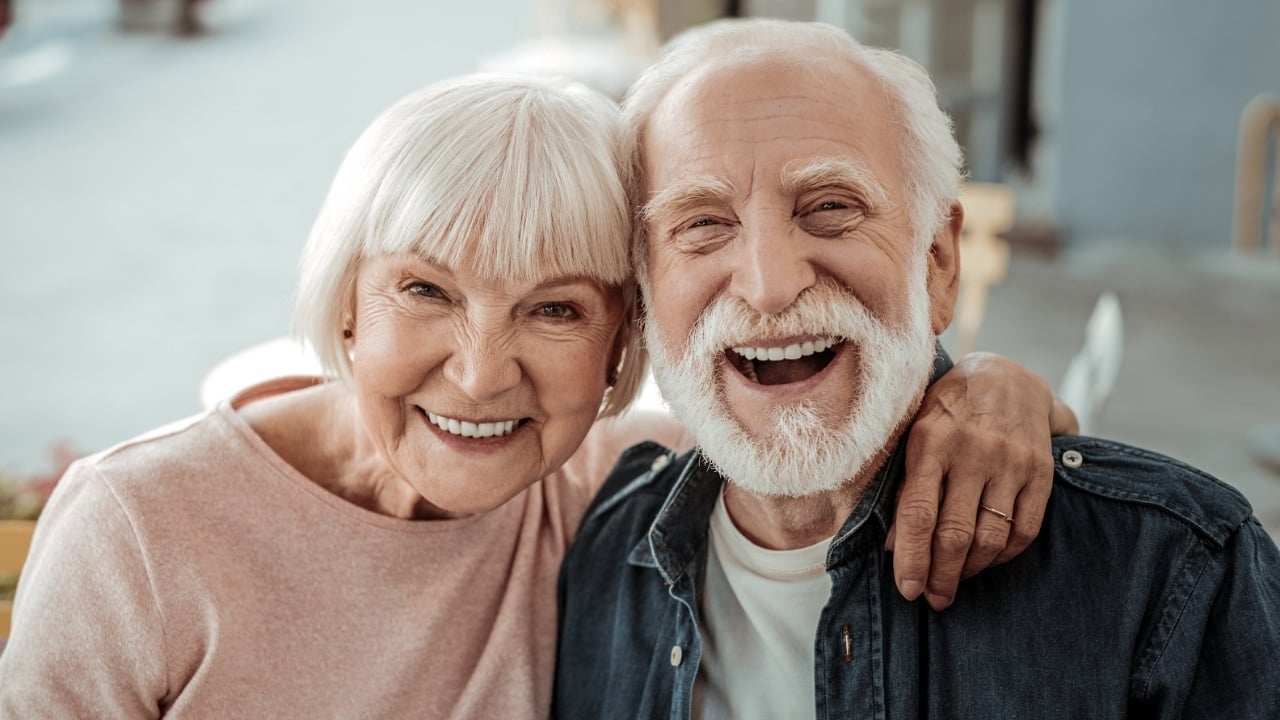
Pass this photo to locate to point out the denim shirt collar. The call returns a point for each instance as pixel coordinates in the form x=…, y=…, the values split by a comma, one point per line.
x=678, y=536
x=679, y=532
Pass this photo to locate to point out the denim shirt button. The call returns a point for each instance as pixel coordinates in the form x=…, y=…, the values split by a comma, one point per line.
x=1072, y=459
x=677, y=654
x=660, y=462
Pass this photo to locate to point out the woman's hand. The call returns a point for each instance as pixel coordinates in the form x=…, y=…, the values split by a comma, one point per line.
x=980, y=447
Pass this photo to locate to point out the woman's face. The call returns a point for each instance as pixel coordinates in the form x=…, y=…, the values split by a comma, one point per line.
x=474, y=389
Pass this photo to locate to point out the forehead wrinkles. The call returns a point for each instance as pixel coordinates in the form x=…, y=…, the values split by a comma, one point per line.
x=727, y=130
x=836, y=98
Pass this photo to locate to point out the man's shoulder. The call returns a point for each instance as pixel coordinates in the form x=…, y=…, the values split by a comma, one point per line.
x=639, y=482
x=1126, y=475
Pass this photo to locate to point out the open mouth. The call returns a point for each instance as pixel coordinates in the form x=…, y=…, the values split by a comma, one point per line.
x=472, y=429
x=779, y=365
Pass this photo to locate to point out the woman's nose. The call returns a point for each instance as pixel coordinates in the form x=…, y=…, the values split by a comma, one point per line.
x=483, y=367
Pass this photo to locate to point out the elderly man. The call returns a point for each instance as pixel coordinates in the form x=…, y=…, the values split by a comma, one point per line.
x=799, y=244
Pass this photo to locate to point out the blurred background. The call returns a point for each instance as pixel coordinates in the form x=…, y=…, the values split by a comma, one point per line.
x=161, y=162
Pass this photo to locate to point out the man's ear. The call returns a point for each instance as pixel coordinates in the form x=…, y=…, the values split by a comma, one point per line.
x=943, y=279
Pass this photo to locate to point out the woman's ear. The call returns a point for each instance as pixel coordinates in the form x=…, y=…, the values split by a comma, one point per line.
x=943, y=273
x=349, y=336
x=620, y=342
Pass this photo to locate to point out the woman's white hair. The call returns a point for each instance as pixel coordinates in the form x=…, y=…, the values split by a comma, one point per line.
x=515, y=177
x=931, y=156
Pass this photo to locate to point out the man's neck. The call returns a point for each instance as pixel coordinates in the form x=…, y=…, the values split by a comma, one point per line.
x=786, y=523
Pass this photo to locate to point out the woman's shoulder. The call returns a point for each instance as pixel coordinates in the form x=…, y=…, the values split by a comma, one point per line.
x=195, y=447
x=181, y=442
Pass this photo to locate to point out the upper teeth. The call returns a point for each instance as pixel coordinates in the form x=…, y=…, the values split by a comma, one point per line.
x=794, y=351
x=471, y=429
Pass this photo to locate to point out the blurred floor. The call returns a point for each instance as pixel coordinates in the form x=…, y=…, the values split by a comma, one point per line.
x=1201, y=357
x=155, y=194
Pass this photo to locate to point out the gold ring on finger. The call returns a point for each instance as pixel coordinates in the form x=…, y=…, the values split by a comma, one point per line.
x=1004, y=516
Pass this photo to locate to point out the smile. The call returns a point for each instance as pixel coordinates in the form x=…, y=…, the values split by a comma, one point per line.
x=781, y=364
x=468, y=429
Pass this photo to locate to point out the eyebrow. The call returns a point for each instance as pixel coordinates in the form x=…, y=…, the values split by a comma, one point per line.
x=565, y=282
x=825, y=172
x=685, y=193
x=551, y=283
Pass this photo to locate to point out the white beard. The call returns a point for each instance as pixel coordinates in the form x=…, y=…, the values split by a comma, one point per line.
x=801, y=453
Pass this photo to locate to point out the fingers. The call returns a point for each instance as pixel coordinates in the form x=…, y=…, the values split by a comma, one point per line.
x=985, y=425
x=992, y=532
x=953, y=537
x=1028, y=511
x=911, y=536
x=1062, y=419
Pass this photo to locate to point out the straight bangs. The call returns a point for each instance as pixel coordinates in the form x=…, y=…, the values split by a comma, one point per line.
x=519, y=186
x=515, y=178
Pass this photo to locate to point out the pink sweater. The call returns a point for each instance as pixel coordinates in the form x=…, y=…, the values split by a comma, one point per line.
x=192, y=573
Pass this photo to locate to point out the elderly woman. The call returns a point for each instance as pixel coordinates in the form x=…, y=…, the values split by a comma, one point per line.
x=385, y=542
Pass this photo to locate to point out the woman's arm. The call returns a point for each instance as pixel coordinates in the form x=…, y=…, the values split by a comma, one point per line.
x=87, y=639
x=980, y=439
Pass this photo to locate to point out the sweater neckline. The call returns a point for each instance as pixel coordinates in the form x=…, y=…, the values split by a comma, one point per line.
x=226, y=410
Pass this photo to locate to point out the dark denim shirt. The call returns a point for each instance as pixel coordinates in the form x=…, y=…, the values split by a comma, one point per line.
x=1151, y=592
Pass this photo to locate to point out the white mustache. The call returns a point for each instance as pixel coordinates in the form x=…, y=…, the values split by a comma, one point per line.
x=826, y=309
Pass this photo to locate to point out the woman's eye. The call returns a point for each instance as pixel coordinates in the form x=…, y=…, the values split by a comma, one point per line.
x=557, y=311
x=426, y=290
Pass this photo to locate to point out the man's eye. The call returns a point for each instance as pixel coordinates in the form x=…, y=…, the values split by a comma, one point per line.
x=557, y=311
x=831, y=205
x=702, y=222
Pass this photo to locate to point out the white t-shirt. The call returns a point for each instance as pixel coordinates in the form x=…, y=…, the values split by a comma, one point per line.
x=760, y=612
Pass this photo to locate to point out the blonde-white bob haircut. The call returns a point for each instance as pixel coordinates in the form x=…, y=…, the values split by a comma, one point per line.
x=516, y=178
x=931, y=155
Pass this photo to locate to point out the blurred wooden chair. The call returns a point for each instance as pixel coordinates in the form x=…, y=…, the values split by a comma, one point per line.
x=15, y=541
x=984, y=255
x=1259, y=122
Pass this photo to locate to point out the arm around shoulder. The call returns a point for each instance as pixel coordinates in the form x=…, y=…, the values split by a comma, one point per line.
x=87, y=639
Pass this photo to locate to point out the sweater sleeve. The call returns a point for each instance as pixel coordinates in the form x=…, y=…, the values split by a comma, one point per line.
x=87, y=638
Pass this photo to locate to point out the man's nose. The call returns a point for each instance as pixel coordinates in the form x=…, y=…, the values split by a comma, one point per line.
x=483, y=365
x=772, y=271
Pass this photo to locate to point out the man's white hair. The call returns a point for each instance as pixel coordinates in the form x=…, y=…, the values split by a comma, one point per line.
x=516, y=178
x=931, y=155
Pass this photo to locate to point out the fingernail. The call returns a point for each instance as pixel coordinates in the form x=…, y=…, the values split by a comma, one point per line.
x=938, y=602
x=911, y=589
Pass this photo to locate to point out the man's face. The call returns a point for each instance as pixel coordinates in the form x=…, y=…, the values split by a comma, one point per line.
x=788, y=299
